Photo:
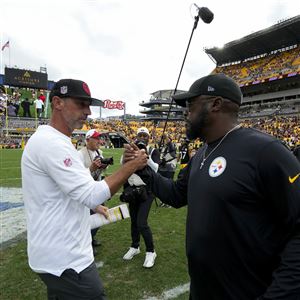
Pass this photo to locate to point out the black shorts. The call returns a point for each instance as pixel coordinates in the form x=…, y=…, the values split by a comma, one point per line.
x=75, y=286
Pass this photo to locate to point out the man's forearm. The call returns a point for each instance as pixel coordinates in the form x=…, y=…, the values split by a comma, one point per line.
x=168, y=191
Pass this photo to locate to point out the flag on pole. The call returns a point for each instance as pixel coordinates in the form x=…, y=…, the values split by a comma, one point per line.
x=5, y=45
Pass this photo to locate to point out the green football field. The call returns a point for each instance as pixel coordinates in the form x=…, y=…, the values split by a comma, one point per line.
x=122, y=279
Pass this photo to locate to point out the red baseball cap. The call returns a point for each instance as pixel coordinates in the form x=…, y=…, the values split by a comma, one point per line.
x=93, y=133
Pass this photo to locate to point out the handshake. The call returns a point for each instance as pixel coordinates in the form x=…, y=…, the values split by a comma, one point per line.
x=135, y=156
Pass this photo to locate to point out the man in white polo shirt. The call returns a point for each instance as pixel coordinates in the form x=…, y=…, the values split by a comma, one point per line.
x=58, y=194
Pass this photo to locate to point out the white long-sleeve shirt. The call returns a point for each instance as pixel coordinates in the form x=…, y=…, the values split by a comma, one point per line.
x=58, y=192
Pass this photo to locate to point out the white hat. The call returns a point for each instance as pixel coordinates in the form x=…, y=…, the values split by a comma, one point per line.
x=93, y=133
x=143, y=130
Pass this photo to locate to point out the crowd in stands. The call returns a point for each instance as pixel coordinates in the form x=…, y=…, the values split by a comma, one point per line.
x=276, y=64
x=285, y=128
x=176, y=130
x=9, y=142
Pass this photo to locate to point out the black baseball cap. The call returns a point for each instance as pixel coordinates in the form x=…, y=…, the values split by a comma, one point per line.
x=74, y=89
x=212, y=85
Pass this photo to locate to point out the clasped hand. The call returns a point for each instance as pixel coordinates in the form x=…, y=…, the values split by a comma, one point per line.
x=135, y=155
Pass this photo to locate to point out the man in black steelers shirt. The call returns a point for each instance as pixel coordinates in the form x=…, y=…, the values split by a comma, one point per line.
x=242, y=189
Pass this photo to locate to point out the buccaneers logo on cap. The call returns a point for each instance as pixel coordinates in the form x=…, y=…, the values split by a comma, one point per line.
x=86, y=88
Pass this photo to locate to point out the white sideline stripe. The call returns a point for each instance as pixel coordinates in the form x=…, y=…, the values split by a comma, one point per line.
x=172, y=293
x=99, y=264
x=5, y=179
x=8, y=168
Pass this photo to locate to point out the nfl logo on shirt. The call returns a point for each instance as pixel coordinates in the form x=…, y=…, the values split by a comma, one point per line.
x=68, y=162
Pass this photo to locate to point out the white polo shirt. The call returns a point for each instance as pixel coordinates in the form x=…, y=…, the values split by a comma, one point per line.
x=58, y=192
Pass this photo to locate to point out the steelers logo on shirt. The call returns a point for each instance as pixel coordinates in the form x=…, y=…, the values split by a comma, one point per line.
x=217, y=167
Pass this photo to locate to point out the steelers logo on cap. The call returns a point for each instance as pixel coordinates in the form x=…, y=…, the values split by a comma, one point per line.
x=217, y=167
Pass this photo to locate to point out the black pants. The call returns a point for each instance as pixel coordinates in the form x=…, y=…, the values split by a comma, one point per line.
x=26, y=113
x=93, y=231
x=73, y=286
x=38, y=112
x=139, y=212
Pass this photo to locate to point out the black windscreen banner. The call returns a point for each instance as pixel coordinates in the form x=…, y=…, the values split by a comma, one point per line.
x=25, y=78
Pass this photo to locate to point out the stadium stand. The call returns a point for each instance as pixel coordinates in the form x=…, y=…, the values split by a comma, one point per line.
x=266, y=64
x=260, y=69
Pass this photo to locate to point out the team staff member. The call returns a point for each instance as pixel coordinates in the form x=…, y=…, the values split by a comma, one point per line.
x=91, y=156
x=58, y=194
x=140, y=208
x=243, y=195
